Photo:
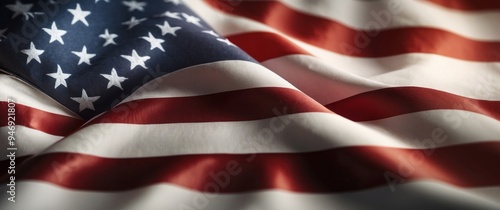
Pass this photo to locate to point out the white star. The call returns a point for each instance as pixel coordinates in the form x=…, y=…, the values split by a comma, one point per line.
x=19, y=8
x=32, y=53
x=225, y=41
x=108, y=37
x=114, y=79
x=176, y=2
x=55, y=34
x=167, y=29
x=211, y=32
x=107, y=1
x=85, y=101
x=169, y=14
x=60, y=77
x=79, y=15
x=136, y=60
x=84, y=56
x=133, y=22
x=192, y=19
x=134, y=5
x=155, y=43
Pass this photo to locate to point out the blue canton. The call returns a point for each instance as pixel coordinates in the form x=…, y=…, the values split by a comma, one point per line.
x=90, y=55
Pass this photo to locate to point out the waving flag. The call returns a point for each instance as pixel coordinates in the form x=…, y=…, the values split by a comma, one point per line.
x=218, y=104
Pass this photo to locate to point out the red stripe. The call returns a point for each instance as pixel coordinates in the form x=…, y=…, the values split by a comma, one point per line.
x=334, y=170
x=468, y=5
x=276, y=45
x=333, y=36
x=239, y=105
x=391, y=102
x=37, y=119
x=261, y=103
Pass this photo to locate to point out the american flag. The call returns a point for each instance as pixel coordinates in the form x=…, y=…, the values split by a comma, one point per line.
x=235, y=104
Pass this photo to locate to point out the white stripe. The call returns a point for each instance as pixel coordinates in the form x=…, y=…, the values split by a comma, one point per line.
x=480, y=25
x=415, y=195
x=474, y=25
x=304, y=132
x=328, y=83
x=226, y=24
x=356, y=75
x=323, y=82
x=210, y=78
x=433, y=65
x=28, y=141
x=21, y=93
